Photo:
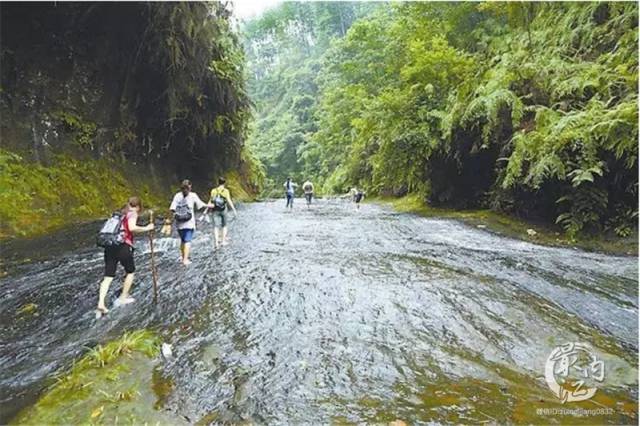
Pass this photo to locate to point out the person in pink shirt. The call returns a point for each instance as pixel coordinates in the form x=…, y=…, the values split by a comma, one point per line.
x=123, y=254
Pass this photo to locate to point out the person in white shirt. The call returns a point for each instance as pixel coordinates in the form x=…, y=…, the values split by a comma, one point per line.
x=290, y=188
x=184, y=206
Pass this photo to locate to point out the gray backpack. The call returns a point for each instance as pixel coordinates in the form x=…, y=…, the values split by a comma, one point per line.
x=112, y=233
x=183, y=211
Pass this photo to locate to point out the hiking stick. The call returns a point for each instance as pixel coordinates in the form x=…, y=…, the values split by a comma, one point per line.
x=154, y=274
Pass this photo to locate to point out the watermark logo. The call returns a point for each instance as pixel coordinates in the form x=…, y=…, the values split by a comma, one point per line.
x=572, y=370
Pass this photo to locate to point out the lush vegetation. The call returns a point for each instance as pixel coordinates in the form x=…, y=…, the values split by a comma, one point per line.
x=35, y=199
x=525, y=108
x=167, y=86
x=284, y=51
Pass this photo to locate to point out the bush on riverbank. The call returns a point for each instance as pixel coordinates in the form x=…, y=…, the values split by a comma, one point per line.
x=529, y=109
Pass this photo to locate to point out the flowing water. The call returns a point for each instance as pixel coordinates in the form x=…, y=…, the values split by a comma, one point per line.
x=331, y=314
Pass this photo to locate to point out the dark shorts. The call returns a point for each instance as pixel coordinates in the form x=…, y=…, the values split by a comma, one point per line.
x=308, y=196
x=358, y=198
x=220, y=218
x=186, y=235
x=122, y=254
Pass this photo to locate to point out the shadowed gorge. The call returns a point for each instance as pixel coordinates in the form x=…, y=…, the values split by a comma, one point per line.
x=156, y=87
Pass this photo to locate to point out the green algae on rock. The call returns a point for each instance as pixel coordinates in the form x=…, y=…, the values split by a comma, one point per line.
x=115, y=382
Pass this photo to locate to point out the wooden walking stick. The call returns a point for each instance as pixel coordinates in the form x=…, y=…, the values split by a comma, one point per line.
x=154, y=274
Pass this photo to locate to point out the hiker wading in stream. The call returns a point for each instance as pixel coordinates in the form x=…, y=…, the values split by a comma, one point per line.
x=184, y=206
x=290, y=188
x=357, y=195
x=122, y=253
x=307, y=187
x=220, y=197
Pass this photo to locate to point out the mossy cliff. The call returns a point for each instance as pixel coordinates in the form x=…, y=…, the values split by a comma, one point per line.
x=89, y=116
x=35, y=199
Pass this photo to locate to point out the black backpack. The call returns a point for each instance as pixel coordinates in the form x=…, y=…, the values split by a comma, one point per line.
x=183, y=211
x=219, y=203
x=112, y=233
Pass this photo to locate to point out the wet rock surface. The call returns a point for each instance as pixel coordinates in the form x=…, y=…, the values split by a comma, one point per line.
x=329, y=313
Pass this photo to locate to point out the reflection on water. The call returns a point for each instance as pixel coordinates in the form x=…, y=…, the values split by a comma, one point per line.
x=331, y=314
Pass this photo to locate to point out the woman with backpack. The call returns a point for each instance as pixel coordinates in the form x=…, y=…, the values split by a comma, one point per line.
x=119, y=249
x=184, y=206
x=220, y=197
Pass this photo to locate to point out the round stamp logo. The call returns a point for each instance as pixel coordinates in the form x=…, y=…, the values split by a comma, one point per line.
x=572, y=370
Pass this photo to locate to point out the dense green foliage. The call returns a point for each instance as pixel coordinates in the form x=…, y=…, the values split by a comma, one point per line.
x=527, y=108
x=284, y=49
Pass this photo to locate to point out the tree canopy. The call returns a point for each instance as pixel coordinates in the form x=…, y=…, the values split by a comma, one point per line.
x=529, y=108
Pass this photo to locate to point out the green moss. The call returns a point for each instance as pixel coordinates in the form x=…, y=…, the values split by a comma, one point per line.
x=110, y=384
x=28, y=309
x=513, y=227
x=238, y=191
x=210, y=418
x=67, y=191
x=509, y=397
x=162, y=388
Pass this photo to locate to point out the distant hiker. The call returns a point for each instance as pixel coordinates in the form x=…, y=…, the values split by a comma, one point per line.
x=116, y=236
x=290, y=188
x=351, y=194
x=184, y=206
x=307, y=187
x=357, y=195
x=220, y=197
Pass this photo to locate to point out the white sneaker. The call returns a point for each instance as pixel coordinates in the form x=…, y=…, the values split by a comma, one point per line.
x=186, y=262
x=120, y=302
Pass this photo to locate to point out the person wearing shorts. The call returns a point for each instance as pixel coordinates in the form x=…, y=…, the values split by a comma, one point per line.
x=186, y=228
x=220, y=198
x=122, y=254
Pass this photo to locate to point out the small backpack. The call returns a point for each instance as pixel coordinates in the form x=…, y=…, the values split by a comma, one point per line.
x=183, y=211
x=112, y=232
x=219, y=203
